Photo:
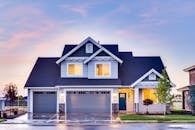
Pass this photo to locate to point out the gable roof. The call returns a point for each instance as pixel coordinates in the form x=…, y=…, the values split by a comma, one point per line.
x=84, y=42
x=113, y=48
x=145, y=75
x=105, y=50
x=46, y=73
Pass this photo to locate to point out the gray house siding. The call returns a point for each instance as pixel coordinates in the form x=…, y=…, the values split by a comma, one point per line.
x=64, y=69
x=114, y=69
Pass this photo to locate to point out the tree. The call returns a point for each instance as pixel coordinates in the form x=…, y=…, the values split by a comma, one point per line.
x=163, y=89
x=147, y=102
x=10, y=93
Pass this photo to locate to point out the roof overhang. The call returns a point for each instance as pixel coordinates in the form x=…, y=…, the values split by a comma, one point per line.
x=106, y=51
x=183, y=88
x=147, y=74
x=92, y=56
x=189, y=68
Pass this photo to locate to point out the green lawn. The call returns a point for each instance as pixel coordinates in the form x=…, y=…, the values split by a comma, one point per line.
x=158, y=118
x=1, y=120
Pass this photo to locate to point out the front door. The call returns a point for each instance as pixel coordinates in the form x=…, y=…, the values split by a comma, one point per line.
x=122, y=101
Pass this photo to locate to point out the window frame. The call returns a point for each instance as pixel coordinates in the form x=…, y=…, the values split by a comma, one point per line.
x=75, y=75
x=96, y=76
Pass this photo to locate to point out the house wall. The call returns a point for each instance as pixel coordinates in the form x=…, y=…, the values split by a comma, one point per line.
x=192, y=76
x=114, y=69
x=89, y=69
x=129, y=98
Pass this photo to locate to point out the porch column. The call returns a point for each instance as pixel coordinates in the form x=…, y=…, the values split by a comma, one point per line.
x=136, y=99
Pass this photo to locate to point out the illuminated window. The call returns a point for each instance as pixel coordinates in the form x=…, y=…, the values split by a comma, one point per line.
x=149, y=94
x=102, y=70
x=75, y=69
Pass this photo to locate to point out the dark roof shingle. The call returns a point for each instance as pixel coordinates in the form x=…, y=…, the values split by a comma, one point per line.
x=46, y=73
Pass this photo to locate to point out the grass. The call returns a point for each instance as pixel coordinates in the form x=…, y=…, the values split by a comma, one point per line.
x=158, y=118
x=1, y=120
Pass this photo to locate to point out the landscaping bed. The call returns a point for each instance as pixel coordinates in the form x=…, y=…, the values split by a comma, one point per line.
x=157, y=118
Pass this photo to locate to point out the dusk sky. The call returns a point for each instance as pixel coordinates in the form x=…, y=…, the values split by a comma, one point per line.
x=37, y=28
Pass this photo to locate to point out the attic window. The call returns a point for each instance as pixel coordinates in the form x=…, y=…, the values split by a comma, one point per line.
x=152, y=76
x=89, y=48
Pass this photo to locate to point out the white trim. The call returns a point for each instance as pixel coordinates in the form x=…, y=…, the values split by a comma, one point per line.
x=78, y=75
x=87, y=86
x=145, y=75
x=76, y=48
x=107, y=58
x=88, y=89
x=81, y=44
x=76, y=58
x=147, y=84
x=92, y=56
x=31, y=100
x=103, y=62
x=105, y=50
x=57, y=102
x=189, y=68
x=43, y=88
x=136, y=95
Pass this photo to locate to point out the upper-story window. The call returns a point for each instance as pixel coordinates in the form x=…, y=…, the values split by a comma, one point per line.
x=89, y=48
x=103, y=70
x=75, y=69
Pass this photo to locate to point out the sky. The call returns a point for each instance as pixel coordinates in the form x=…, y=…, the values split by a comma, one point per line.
x=37, y=28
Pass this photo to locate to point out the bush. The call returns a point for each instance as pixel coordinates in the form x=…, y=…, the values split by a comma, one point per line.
x=147, y=102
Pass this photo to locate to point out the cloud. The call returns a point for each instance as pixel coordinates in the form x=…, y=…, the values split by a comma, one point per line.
x=22, y=37
x=129, y=33
x=81, y=9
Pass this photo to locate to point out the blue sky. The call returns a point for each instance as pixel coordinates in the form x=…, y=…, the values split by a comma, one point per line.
x=33, y=28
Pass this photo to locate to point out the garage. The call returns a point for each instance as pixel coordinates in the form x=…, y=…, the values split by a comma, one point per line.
x=44, y=102
x=88, y=104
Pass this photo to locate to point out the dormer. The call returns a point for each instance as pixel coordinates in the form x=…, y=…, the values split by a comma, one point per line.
x=89, y=60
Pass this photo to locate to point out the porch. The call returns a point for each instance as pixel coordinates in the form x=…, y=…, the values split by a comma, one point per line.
x=131, y=101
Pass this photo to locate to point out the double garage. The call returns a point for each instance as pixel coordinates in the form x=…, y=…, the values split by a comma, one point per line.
x=77, y=102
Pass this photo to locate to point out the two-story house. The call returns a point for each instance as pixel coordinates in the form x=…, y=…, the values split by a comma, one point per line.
x=185, y=89
x=93, y=79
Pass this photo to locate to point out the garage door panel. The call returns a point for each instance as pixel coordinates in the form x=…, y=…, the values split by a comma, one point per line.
x=88, y=102
x=44, y=102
